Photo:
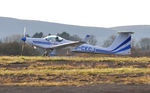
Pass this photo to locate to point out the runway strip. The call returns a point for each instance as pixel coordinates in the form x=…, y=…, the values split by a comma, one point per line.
x=102, y=88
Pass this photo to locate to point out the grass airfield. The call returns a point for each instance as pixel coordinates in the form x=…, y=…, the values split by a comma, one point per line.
x=73, y=71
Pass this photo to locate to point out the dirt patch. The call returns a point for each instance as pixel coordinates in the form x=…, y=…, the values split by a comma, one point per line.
x=86, y=64
x=17, y=65
x=94, y=64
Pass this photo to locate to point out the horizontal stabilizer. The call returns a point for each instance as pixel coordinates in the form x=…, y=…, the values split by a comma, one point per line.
x=125, y=32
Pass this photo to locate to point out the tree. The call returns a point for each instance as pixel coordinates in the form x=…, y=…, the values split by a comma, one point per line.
x=74, y=38
x=13, y=38
x=12, y=45
x=38, y=35
x=144, y=43
x=27, y=35
x=49, y=34
x=109, y=41
x=64, y=35
x=92, y=40
x=15, y=48
x=67, y=36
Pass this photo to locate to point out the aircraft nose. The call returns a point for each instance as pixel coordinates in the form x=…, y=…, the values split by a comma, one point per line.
x=23, y=39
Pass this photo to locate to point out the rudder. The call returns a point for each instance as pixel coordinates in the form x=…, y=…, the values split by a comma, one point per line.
x=122, y=44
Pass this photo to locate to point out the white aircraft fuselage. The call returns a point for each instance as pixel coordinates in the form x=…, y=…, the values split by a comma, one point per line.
x=120, y=46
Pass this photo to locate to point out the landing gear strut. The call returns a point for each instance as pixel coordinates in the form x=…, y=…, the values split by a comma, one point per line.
x=47, y=52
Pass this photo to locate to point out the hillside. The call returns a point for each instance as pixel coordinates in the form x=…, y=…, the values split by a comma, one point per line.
x=141, y=31
x=10, y=26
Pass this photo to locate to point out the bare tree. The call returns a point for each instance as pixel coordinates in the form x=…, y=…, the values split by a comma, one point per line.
x=144, y=43
x=75, y=38
x=38, y=35
x=92, y=40
x=69, y=37
x=109, y=41
x=13, y=38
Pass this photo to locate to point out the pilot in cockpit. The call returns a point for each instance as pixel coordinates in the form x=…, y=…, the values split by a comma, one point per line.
x=54, y=38
x=58, y=39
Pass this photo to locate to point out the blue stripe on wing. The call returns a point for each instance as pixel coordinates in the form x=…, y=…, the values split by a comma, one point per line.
x=39, y=42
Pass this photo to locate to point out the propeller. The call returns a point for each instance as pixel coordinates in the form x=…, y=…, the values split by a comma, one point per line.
x=24, y=33
x=23, y=39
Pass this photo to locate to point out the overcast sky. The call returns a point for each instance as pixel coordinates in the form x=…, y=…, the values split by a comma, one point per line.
x=99, y=13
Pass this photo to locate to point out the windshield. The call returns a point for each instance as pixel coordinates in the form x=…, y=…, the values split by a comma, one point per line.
x=53, y=38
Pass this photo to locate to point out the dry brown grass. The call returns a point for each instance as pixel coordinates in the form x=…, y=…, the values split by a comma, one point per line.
x=45, y=71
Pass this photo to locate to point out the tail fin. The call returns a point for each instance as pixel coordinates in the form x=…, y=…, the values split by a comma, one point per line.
x=86, y=38
x=122, y=44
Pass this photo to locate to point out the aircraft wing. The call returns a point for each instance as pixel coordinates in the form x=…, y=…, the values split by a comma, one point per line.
x=74, y=44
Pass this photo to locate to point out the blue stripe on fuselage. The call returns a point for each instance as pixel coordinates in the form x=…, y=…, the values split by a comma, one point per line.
x=85, y=49
x=91, y=49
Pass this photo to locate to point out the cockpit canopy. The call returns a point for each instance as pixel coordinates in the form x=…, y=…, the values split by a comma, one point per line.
x=53, y=38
